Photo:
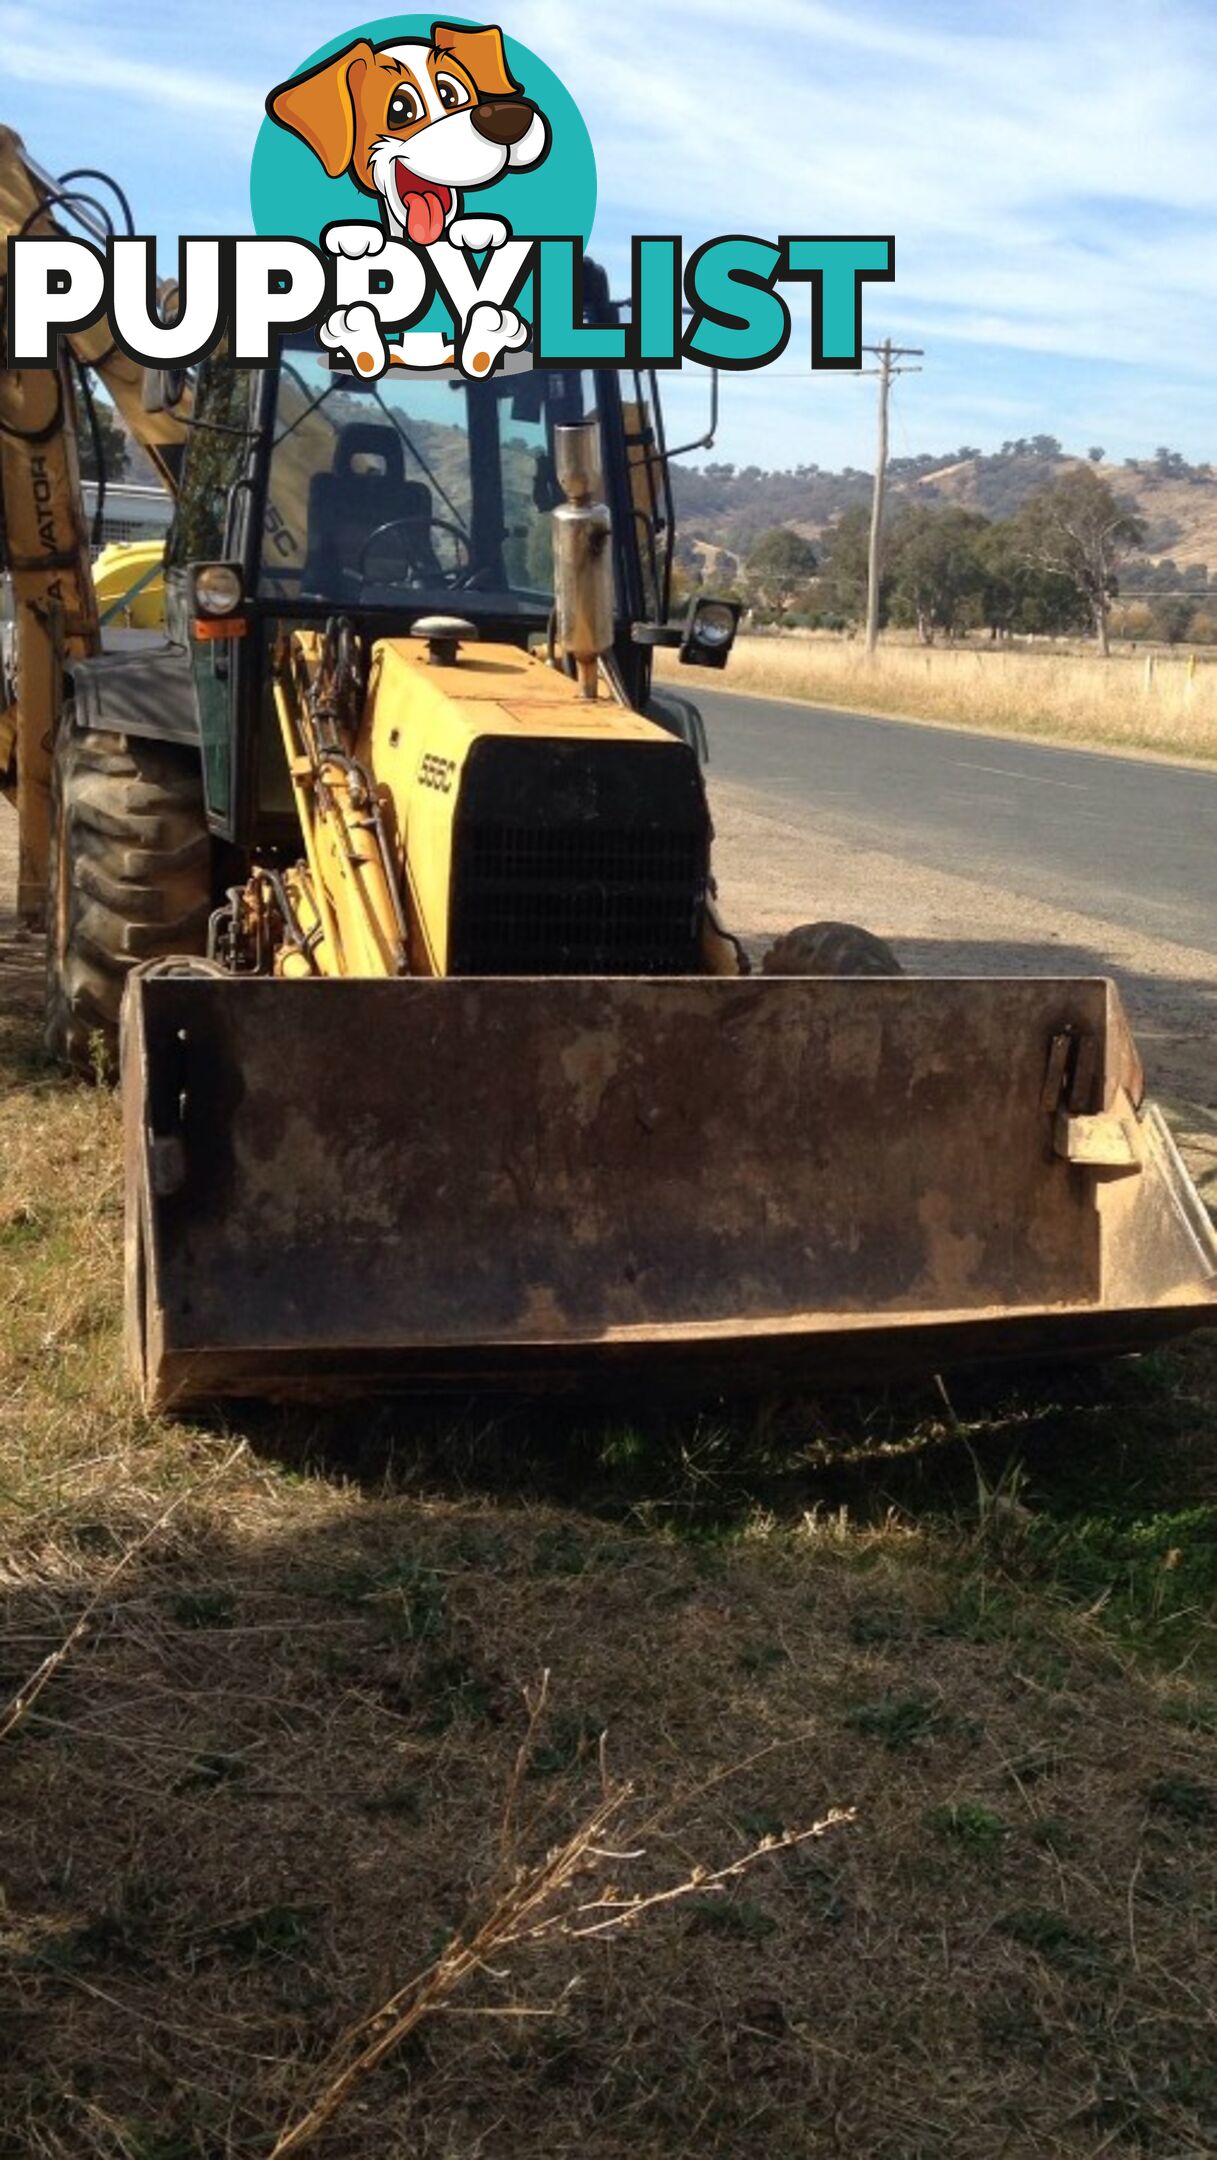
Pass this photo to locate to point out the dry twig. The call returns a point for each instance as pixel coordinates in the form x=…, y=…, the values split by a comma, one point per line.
x=529, y=1910
x=509, y=1922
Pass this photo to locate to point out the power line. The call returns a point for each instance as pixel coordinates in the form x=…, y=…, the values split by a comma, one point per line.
x=886, y=354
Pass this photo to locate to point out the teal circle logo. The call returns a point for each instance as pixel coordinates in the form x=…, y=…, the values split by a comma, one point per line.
x=290, y=191
x=431, y=130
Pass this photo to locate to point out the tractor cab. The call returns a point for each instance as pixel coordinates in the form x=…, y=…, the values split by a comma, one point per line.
x=310, y=493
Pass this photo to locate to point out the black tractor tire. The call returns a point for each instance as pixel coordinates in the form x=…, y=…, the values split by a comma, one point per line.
x=830, y=948
x=129, y=880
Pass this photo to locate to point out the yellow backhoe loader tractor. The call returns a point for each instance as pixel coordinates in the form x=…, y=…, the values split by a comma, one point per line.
x=439, y=1066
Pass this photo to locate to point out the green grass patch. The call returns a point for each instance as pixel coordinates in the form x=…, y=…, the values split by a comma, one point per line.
x=970, y=1825
x=739, y=1917
x=570, y=1736
x=203, y=1608
x=1183, y=1798
x=1054, y=1938
x=405, y=1597
x=272, y=1934
x=1051, y=1834
x=900, y=1721
x=1150, y=1576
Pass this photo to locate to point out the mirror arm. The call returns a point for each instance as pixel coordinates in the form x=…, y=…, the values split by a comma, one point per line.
x=706, y=441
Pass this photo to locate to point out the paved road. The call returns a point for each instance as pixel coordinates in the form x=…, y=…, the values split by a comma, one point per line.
x=1134, y=842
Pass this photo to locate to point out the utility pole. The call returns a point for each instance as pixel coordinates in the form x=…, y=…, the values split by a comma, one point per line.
x=885, y=354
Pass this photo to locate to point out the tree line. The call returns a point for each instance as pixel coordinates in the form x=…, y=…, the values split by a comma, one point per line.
x=1051, y=569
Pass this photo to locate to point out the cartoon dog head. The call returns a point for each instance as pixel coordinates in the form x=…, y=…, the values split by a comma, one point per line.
x=414, y=122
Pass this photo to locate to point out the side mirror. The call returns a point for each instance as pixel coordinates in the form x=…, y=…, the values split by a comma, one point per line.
x=709, y=632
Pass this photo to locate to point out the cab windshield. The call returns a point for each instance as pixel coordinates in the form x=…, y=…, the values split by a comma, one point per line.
x=423, y=492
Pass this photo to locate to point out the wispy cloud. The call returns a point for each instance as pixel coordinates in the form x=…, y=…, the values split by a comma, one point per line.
x=32, y=56
x=977, y=148
x=1047, y=172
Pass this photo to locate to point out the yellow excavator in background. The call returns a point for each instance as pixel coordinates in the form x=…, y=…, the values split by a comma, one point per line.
x=129, y=583
x=440, y=1067
x=43, y=528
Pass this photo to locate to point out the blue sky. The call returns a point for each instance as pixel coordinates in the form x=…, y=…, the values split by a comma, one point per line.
x=1048, y=172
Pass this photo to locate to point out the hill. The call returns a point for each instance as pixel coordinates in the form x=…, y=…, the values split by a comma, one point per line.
x=722, y=507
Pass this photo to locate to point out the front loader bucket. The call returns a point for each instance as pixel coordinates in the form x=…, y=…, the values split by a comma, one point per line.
x=724, y=1184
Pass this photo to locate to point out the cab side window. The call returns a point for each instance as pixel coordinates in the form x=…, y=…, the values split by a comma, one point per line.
x=217, y=458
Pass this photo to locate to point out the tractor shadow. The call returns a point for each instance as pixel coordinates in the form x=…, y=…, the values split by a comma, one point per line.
x=1068, y=1434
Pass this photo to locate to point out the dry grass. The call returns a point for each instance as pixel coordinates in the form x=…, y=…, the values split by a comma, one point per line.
x=1062, y=696
x=269, y=1781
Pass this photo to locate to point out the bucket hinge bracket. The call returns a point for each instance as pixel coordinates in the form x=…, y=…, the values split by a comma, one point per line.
x=1096, y=1139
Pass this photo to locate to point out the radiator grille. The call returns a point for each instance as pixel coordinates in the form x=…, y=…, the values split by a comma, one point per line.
x=579, y=901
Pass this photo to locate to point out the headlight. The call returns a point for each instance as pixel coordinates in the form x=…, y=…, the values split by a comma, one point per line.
x=217, y=589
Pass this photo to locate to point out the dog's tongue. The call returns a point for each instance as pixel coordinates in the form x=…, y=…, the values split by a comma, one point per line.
x=424, y=208
x=424, y=218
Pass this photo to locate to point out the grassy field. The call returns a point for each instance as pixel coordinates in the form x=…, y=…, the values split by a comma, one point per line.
x=323, y=1693
x=1069, y=696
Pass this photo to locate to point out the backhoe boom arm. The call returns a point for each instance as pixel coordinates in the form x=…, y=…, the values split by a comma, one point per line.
x=44, y=537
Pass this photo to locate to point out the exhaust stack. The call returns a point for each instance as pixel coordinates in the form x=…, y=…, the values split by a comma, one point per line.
x=583, y=562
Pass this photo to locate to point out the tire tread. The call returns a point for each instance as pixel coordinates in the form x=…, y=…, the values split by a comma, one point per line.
x=130, y=814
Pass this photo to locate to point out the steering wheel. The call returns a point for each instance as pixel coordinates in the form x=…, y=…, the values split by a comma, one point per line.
x=418, y=573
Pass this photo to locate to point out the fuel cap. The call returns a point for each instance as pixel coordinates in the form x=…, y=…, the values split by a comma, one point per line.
x=444, y=635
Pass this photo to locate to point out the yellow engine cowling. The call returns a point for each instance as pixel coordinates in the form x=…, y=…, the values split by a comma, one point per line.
x=481, y=817
x=425, y=728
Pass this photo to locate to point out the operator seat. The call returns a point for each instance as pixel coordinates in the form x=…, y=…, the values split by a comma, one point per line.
x=365, y=488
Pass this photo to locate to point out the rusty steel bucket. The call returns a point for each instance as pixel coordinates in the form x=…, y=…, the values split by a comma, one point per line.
x=716, y=1184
